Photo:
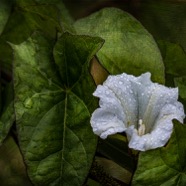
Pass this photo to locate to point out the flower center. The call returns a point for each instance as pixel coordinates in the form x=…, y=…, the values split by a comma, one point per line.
x=141, y=128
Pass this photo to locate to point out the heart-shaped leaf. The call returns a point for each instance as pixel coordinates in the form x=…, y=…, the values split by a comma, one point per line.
x=52, y=105
x=128, y=45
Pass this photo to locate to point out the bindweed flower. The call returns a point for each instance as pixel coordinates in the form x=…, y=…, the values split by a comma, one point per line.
x=141, y=108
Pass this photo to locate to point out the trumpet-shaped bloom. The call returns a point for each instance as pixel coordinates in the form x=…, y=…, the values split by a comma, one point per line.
x=141, y=108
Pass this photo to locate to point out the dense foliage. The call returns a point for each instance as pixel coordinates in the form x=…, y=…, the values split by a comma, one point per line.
x=50, y=65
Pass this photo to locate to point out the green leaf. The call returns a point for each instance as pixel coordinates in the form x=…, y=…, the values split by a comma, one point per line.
x=164, y=20
x=128, y=46
x=164, y=166
x=174, y=58
x=12, y=167
x=181, y=84
x=31, y=17
x=64, y=17
x=52, y=114
x=5, y=10
x=53, y=10
x=5, y=54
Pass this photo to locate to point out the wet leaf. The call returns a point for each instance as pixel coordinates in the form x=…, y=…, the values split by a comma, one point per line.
x=53, y=110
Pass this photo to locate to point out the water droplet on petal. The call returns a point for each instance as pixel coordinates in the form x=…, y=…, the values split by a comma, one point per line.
x=120, y=82
x=119, y=92
x=107, y=92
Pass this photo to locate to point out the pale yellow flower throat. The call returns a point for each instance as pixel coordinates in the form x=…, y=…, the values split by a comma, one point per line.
x=141, y=128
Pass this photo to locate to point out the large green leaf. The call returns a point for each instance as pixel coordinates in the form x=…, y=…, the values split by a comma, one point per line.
x=53, y=114
x=31, y=16
x=164, y=166
x=128, y=46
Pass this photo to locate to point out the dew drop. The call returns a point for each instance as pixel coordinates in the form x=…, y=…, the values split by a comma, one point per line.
x=116, y=85
x=120, y=82
x=131, y=91
x=107, y=92
x=119, y=92
x=145, y=139
x=28, y=103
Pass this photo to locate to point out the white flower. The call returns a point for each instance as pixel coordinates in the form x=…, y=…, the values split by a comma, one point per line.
x=141, y=108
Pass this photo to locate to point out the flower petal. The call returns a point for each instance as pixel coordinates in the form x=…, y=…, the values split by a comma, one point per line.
x=118, y=105
x=152, y=98
x=141, y=108
x=104, y=123
x=161, y=131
